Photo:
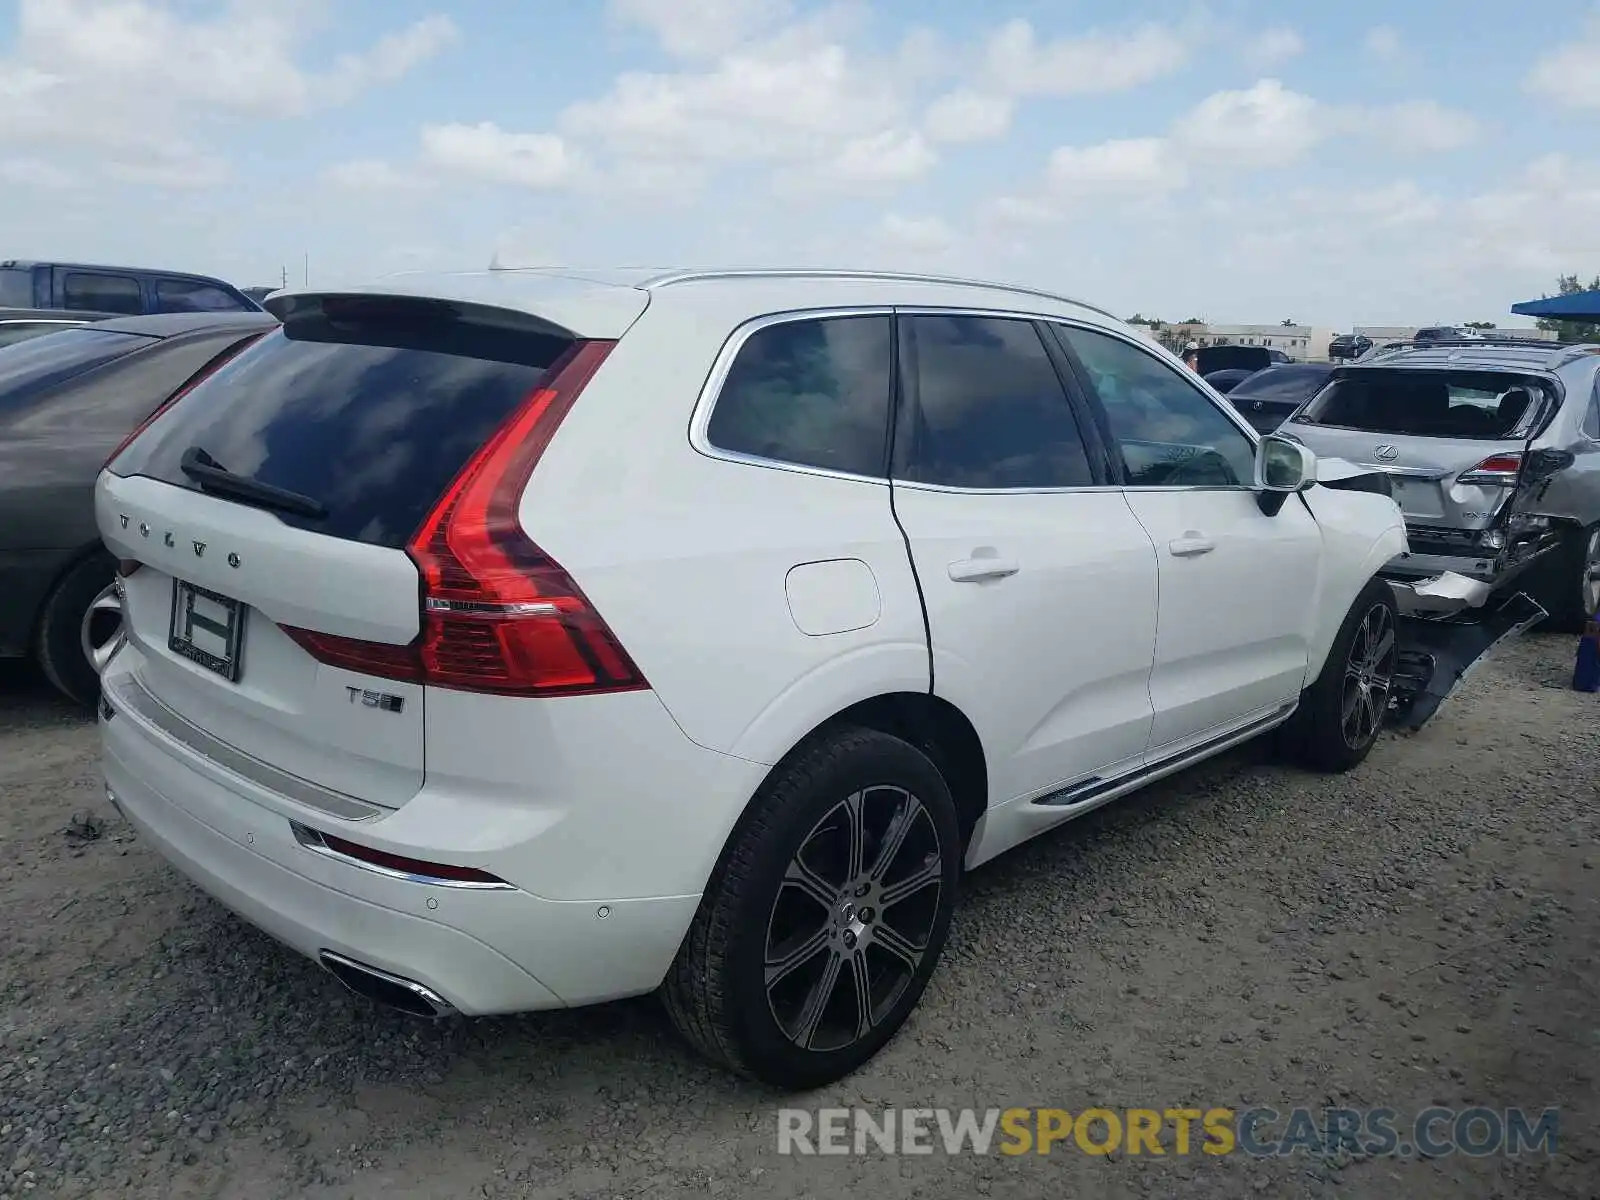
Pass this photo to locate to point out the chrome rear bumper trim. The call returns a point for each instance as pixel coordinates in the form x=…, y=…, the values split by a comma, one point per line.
x=129, y=696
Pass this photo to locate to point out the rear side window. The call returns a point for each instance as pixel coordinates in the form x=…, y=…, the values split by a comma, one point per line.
x=988, y=409
x=1591, y=423
x=29, y=369
x=189, y=296
x=371, y=414
x=16, y=287
x=103, y=293
x=810, y=392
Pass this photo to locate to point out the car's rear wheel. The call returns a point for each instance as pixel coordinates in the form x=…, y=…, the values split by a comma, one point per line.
x=80, y=626
x=827, y=915
x=1342, y=713
x=1569, y=582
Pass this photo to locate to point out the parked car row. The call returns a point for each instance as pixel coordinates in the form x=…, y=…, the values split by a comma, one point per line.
x=68, y=397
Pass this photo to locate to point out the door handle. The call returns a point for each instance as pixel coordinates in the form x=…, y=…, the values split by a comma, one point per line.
x=1190, y=545
x=978, y=570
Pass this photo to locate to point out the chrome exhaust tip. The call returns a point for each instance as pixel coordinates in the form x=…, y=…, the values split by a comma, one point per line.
x=392, y=991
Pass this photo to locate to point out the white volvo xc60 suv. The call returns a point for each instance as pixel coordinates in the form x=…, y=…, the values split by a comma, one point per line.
x=523, y=639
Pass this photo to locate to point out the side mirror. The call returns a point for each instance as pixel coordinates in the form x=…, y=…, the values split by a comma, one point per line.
x=1283, y=467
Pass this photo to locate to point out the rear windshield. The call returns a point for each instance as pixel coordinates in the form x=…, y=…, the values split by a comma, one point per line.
x=1283, y=383
x=370, y=415
x=30, y=367
x=1473, y=405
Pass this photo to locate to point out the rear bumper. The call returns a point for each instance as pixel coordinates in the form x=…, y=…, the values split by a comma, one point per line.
x=481, y=951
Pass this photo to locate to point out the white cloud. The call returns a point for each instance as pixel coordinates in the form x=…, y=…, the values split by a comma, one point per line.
x=1383, y=43
x=1544, y=222
x=1095, y=62
x=125, y=86
x=929, y=234
x=36, y=173
x=893, y=156
x=968, y=115
x=1129, y=166
x=1568, y=75
x=493, y=155
x=1275, y=46
x=371, y=175
x=701, y=28
x=1263, y=125
x=1425, y=126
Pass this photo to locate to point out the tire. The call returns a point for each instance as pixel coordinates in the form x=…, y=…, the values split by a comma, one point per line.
x=1324, y=734
x=1568, y=585
x=764, y=923
x=59, y=643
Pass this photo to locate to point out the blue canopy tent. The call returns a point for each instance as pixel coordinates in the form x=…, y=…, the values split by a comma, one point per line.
x=1575, y=306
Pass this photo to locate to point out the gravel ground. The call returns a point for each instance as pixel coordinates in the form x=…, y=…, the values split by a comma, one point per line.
x=1425, y=930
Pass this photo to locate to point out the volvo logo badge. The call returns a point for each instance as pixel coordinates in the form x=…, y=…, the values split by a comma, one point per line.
x=233, y=560
x=1387, y=453
x=199, y=549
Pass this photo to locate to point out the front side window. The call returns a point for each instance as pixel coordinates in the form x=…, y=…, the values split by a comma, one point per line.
x=989, y=408
x=811, y=392
x=102, y=293
x=1170, y=434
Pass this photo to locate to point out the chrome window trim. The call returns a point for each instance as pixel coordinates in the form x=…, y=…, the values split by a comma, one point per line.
x=711, y=391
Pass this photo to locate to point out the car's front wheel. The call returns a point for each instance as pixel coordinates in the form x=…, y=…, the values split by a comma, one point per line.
x=826, y=916
x=1342, y=713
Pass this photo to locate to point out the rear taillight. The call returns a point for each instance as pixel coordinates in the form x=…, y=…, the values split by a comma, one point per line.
x=194, y=382
x=1496, y=469
x=499, y=614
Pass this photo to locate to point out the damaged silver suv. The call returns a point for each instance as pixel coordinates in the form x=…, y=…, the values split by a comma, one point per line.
x=1491, y=448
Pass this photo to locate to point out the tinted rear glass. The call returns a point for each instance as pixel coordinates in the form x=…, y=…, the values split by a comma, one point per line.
x=30, y=367
x=372, y=417
x=1286, y=384
x=1445, y=404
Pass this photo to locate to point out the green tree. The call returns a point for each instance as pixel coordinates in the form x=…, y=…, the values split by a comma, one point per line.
x=1574, y=331
x=1288, y=322
x=1480, y=325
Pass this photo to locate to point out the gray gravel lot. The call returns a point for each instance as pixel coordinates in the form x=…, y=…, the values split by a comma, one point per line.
x=1423, y=931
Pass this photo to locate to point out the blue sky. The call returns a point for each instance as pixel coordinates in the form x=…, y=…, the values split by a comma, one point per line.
x=1240, y=161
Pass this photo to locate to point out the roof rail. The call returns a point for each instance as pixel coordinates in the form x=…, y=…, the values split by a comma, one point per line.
x=1558, y=354
x=675, y=277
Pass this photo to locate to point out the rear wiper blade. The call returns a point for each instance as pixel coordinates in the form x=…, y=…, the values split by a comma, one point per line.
x=218, y=480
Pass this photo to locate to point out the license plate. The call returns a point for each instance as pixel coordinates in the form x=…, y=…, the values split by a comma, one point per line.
x=207, y=629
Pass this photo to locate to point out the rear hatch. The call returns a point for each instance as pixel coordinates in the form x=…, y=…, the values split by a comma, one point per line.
x=269, y=510
x=1452, y=442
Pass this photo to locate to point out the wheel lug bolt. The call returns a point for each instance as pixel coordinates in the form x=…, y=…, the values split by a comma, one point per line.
x=850, y=940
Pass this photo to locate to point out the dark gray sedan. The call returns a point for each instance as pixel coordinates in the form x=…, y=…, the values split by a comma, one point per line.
x=67, y=400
